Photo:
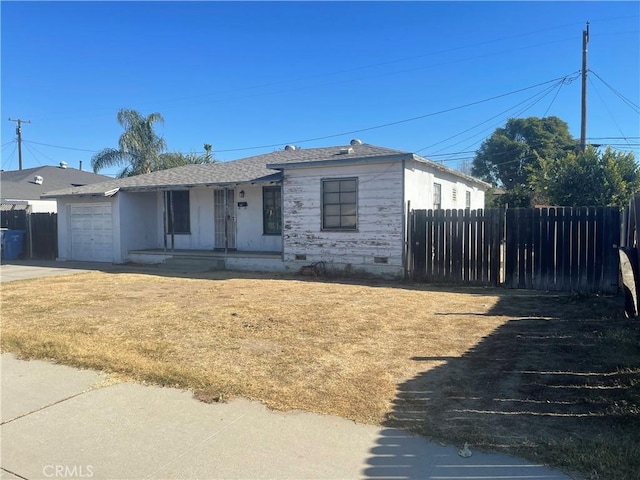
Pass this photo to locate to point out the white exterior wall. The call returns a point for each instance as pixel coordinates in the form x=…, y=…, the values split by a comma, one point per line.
x=380, y=219
x=36, y=206
x=419, y=180
x=250, y=236
x=200, y=221
x=64, y=224
x=43, y=206
x=139, y=217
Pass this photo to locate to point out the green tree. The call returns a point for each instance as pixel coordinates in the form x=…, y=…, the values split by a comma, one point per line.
x=139, y=145
x=508, y=156
x=177, y=159
x=592, y=178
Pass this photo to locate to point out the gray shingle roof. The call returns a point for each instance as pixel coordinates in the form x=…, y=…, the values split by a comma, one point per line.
x=256, y=169
x=20, y=184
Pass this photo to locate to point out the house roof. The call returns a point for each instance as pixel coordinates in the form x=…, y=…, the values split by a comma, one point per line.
x=257, y=169
x=21, y=185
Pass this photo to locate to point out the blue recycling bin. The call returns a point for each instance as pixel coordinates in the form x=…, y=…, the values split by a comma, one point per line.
x=12, y=241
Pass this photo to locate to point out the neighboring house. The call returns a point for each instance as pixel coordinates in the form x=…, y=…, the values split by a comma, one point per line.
x=22, y=188
x=345, y=205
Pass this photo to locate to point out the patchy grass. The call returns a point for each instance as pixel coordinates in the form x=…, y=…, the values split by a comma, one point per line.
x=554, y=378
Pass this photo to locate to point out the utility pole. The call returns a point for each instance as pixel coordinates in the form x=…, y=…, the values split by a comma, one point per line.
x=583, y=123
x=19, y=133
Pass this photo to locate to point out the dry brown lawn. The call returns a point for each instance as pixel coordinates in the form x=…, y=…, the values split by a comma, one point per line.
x=475, y=364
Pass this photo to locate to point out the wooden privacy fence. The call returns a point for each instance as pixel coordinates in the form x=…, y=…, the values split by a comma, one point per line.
x=40, y=240
x=43, y=236
x=455, y=246
x=570, y=249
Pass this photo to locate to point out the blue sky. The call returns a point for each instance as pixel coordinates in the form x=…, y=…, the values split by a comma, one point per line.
x=251, y=77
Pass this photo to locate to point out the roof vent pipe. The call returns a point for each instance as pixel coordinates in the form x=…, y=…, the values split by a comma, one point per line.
x=38, y=180
x=356, y=141
x=290, y=147
x=63, y=164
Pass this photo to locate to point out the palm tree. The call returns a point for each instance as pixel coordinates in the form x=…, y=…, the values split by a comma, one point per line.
x=139, y=145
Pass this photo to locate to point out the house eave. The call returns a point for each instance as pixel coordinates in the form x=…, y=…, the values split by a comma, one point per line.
x=54, y=195
x=451, y=171
x=345, y=159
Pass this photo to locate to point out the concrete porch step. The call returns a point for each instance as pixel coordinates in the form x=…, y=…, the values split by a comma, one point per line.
x=193, y=264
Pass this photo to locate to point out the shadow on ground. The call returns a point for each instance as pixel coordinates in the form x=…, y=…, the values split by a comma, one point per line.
x=560, y=388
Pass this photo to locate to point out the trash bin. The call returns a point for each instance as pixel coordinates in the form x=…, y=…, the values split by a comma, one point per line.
x=2, y=230
x=12, y=241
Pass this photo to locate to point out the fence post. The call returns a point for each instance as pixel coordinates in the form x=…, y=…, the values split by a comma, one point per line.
x=408, y=237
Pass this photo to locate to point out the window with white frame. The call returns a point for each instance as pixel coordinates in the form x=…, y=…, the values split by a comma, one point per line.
x=467, y=200
x=271, y=210
x=339, y=204
x=437, y=196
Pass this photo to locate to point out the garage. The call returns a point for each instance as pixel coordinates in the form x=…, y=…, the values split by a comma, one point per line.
x=91, y=232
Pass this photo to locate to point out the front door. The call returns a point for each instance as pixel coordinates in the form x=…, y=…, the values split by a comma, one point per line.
x=224, y=208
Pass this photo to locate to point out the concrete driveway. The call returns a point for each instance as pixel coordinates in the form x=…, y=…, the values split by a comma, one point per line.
x=25, y=269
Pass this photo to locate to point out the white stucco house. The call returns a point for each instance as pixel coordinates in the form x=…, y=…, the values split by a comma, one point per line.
x=345, y=205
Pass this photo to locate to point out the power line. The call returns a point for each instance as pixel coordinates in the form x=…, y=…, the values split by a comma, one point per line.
x=622, y=97
x=607, y=108
x=401, y=60
x=59, y=146
x=420, y=117
x=611, y=138
x=34, y=156
x=39, y=152
x=533, y=100
x=10, y=159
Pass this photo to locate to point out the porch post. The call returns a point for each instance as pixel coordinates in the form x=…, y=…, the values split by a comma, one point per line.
x=226, y=221
x=173, y=223
x=164, y=219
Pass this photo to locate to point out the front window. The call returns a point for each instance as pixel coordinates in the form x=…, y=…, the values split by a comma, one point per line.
x=467, y=200
x=437, y=196
x=272, y=210
x=178, y=216
x=339, y=204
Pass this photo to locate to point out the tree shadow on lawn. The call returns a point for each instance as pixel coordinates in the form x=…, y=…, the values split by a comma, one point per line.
x=561, y=390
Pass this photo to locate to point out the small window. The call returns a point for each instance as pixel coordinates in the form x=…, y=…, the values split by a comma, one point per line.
x=272, y=210
x=454, y=196
x=437, y=196
x=339, y=204
x=178, y=212
x=467, y=200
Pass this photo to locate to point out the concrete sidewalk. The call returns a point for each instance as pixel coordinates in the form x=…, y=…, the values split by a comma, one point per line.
x=60, y=422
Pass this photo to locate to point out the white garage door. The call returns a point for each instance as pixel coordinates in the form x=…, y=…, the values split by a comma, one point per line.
x=91, y=232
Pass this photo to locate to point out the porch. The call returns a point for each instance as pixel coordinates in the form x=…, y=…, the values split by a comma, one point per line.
x=206, y=260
